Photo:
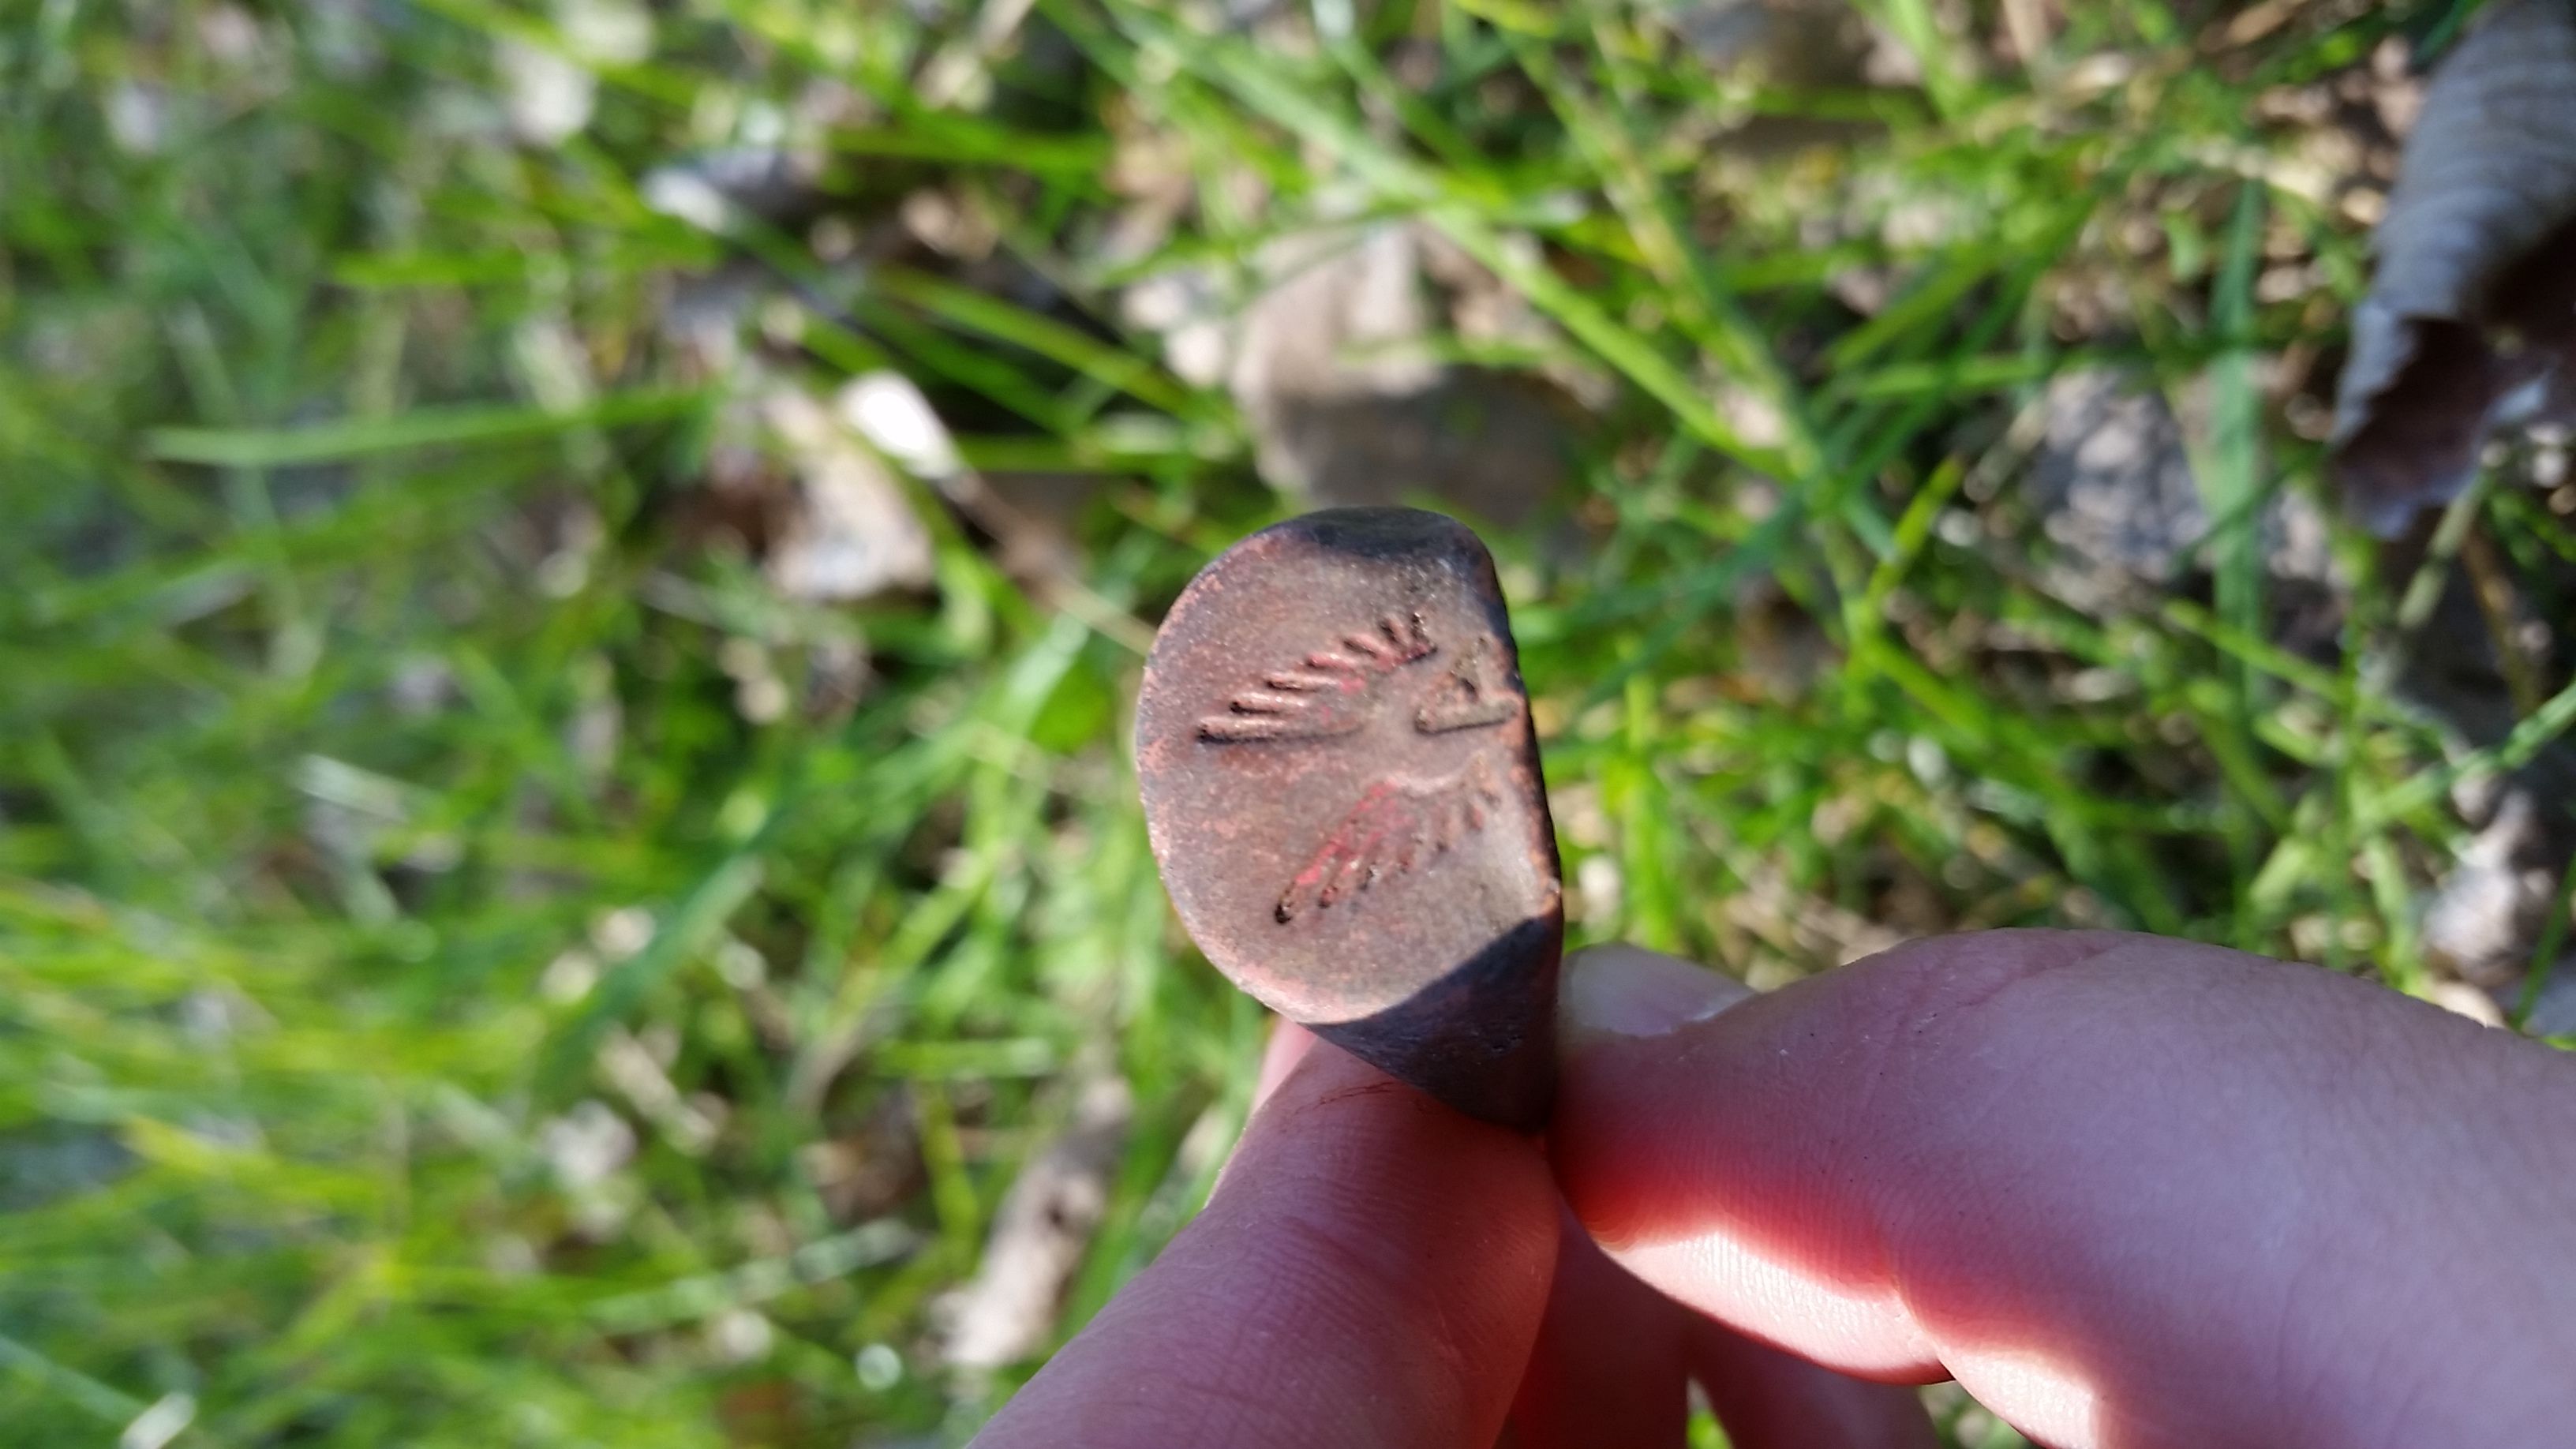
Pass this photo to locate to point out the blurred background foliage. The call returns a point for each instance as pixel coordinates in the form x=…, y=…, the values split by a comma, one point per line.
x=575, y=575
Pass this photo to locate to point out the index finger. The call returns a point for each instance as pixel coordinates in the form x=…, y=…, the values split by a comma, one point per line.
x=2128, y=1191
x=1371, y=1270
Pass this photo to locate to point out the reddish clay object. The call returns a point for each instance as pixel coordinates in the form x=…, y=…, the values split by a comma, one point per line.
x=1343, y=791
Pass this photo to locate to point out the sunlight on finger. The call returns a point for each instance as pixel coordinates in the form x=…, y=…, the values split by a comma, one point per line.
x=2045, y=1400
x=1864, y=1331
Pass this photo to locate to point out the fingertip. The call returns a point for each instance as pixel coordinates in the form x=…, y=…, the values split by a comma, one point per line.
x=1618, y=990
x=1665, y=1094
x=1768, y=1399
x=1287, y=1046
x=1609, y=1365
x=2071, y=1168
x=1372, y=1269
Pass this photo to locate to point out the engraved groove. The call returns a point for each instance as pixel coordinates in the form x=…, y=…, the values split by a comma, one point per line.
x=1471, y=694
x=1336, y=690
x=1398, y=826
x=1333, y=694
x=1254, y=701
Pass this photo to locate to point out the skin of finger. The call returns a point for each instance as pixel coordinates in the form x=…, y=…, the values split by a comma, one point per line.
x=1287, y=1046
x=1626, y=1345
x=1372, y=1270
x=1615, y=1357
x=2131, y=1192
x=1609, y=1366
x=1768, y=1399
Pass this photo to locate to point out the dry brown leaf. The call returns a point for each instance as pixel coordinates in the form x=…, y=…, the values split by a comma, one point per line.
x=852, y=533
x=1040, y=1232
x=2471, y=317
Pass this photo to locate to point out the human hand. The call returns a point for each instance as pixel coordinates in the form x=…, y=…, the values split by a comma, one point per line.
x=2129, y=1192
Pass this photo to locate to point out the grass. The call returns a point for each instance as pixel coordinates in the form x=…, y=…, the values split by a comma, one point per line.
x=382, y=817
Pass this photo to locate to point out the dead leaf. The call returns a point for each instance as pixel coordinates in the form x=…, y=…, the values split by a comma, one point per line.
x=2460, y=998
x=2471, y=319
x=1039, y=1234
x=852, y=534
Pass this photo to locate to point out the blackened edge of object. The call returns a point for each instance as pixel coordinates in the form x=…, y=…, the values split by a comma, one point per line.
x=1482, y=1038
x=1380, y=532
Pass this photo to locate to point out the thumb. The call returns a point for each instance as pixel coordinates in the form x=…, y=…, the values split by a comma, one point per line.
x=2127, y=1191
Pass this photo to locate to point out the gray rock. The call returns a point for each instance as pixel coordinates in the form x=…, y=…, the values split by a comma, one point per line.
x=1347, y=407
x=2113, y=485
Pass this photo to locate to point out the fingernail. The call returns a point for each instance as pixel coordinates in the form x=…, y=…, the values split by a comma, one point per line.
x=1620, y=990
